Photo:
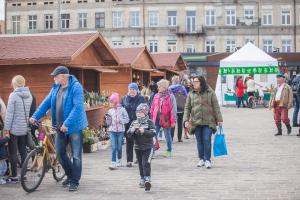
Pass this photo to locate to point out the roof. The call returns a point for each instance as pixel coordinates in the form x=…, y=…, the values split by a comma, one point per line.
x=52, y=48
x=127, y=56
x=248, y=56
x=169, y=61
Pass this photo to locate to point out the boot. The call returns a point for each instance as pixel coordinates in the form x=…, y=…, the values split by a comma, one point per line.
x=289, y=129
x=279, y=130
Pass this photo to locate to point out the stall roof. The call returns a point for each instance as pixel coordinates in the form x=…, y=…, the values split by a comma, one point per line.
x=169, y=61
x=52, y=48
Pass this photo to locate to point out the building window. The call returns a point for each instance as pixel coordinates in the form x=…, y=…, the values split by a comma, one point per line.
x=100, y=20
x=153, y=18
x=267, y=17
x=97, y=1
x=286, y=46
x=48, y=22
x=230, y=45
x=135, y=18
x=172, y=46
x=66, y=2
x=249, y=40
x=286, y=17
x=230, y=17
x=172, y=18
x=32, y=20
x=210, y=18
x=16, y=24
x=191, y=21
x=268, y=46
x=190, y=48
x=117, y=19
x=117, y=43
x=153, y=46
x=210, y=46
x=82, y=20
x=249, y=13
x=65, y=21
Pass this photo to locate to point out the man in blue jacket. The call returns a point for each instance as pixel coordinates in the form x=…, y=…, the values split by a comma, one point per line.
x=68, y=115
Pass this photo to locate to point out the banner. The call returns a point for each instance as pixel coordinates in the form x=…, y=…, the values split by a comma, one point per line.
x=248, y=70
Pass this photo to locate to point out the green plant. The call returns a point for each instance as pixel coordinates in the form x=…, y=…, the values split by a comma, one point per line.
x=88, y=137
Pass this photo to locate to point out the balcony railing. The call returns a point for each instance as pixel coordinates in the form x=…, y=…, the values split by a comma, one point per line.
x=245, y=21
x=183, y=31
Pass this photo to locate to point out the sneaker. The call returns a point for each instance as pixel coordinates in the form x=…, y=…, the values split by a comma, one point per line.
x=167, y=154
x=73, y=188
x=142, y=183
x=180, y=140
x=2, y=181
x=113, y=166
x=129, y=164
x=136, y=162
x=200, y=163
x=12, y=180
x=119, y=163
x=207, y=164
x=66, y=183
x=147, y=185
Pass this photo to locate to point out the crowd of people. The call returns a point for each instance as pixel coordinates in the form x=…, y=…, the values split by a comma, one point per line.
x=140, y=117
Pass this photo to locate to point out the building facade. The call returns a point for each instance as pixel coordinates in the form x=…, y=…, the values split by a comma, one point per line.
x=2, y=28
x=166, y=25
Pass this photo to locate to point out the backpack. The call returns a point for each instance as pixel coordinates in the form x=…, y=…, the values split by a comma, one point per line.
x=180, y=100
x=166, y=117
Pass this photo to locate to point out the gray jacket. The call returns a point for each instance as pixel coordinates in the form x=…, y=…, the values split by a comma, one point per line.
x=15, y=117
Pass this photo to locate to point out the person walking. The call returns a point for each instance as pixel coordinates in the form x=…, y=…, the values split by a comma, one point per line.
x=130, y=102
x=180, y=94
x=69, y=117
x=164, y=112
x=240, y=92
x=143, y=130
x=281, y=102
x=296, y=89
x=203, y=109
x=116, y=118
x=16, y=123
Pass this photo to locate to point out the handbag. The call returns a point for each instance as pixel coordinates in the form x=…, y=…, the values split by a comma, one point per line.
x=29, y=140
x=220, y=148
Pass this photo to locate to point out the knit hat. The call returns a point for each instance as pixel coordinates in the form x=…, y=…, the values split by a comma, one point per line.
x=114, y=97
x=143, y=108
x=133, y=86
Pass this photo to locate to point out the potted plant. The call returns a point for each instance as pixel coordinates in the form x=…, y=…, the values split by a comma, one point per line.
x=88, y=140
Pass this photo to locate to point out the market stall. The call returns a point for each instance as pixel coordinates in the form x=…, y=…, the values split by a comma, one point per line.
x=247, y=60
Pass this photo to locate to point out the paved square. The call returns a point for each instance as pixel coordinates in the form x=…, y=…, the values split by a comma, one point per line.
x=259, y=166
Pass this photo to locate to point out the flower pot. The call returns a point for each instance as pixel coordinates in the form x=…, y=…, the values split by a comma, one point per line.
x=87, y=148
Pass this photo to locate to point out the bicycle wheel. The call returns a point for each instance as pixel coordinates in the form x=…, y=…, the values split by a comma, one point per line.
x=33, y=170
x=58, y=171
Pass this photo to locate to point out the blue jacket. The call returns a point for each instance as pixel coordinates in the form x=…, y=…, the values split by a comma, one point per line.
x=74, y=116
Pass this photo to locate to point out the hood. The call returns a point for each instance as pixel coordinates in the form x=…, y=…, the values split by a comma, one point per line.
x=175, y=88
x=72, y=81
x=23, y=92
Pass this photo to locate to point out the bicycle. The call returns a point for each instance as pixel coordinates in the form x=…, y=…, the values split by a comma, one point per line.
x=41, y=159
x=258, y=99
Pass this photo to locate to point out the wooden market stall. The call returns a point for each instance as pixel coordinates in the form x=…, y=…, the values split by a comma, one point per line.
x=169, y=64
x=36, y=55
x=136, y=64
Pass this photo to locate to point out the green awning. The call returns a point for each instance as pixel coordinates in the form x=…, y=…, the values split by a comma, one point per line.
x=248, y=70
x=195, y=57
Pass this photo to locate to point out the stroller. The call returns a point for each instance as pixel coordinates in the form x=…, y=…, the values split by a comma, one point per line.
x=3, y=159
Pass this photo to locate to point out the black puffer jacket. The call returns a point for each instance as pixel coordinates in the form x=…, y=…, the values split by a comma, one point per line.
x=143, y=141
x=130, y=104
x=3, y=148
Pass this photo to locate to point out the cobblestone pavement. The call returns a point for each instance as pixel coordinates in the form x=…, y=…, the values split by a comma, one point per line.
x=259, y=166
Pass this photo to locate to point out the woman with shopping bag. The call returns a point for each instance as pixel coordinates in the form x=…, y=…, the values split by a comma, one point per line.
x=202, y=115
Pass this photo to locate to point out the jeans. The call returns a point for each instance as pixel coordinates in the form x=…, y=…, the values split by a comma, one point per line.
x=167, y=133
x=116, y=139
x=240, y=100
x=179, y=124
x=72, y=169
x=144, y=158
x=203, y=137
x=16, y=143
x=296, y=109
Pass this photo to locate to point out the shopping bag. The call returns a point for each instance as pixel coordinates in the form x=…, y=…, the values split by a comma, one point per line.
x=156, y=144
x=220, y=148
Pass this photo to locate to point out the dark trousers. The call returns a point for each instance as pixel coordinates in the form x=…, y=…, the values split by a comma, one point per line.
x=144, y=158
x=179, y=123
x=129, y=149
x=14, y=144
x=240, y=100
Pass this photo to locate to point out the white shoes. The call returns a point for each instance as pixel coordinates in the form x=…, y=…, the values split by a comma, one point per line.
x=113, y=166
x=119, y=163
x=200, y=163
x=207, y=164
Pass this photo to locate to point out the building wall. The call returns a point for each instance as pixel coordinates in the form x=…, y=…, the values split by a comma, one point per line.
x=126, y=35
x=2, y=28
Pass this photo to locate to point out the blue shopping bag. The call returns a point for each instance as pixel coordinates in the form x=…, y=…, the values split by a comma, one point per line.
x=220, y=148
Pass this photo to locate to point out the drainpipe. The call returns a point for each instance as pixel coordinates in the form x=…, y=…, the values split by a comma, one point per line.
x=144, y=25
x=295, y=28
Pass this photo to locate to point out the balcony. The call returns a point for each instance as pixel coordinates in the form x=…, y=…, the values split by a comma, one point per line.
x=182, y=31
x=245, y=21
